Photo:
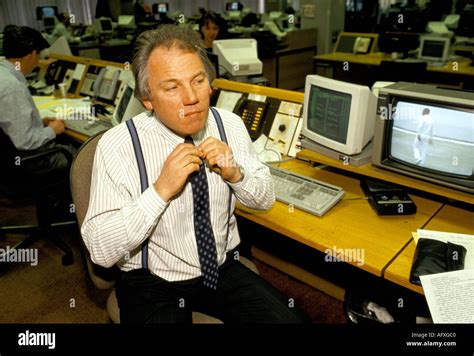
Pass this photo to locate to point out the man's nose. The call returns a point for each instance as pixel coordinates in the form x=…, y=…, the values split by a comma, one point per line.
x=189, y=96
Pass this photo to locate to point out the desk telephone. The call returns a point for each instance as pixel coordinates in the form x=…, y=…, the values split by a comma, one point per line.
x=253, y=113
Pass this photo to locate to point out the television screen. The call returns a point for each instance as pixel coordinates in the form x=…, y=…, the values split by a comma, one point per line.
x=163, y=8
x=328, y=113
x=46, y=11
x=433, y=137
x=106, y=25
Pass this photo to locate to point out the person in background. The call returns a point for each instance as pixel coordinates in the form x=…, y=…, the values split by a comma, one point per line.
x=20, y=120
x=423, y=137
x=61, y=29
x=211, y=27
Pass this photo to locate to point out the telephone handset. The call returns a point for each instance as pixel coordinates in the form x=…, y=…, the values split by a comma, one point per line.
x=105, y=85
x=52, y=73
x=252, y=113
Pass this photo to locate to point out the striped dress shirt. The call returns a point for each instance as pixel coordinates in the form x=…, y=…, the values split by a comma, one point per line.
x=120, y=218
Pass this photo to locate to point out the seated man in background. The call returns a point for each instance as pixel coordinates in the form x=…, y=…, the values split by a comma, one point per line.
x=20, y=120
x=61, y=29
x=186, y=215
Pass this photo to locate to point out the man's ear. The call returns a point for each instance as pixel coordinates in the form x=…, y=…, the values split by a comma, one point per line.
x=148, y=105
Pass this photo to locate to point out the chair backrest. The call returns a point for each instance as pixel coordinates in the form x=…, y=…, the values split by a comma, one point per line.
x=80, y=178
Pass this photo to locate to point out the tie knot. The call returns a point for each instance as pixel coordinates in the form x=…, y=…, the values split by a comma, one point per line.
x=188, y=139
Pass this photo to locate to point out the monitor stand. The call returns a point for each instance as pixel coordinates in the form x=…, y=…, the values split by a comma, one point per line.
x=356, y=160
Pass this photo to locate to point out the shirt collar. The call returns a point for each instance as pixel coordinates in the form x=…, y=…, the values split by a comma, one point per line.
x=11, y=68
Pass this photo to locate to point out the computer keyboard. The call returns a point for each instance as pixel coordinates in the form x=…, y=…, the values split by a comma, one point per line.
x=88, y=127
x=305, y=193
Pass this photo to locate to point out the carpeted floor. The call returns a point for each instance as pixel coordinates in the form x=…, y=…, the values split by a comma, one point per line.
x=52, y=293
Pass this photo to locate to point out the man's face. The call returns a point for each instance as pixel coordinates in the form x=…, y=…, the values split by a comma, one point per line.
x=30, y=62
x=179, y=90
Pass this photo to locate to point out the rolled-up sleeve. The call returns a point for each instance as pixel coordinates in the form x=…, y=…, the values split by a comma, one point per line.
x=117, y=223
x=255, y=191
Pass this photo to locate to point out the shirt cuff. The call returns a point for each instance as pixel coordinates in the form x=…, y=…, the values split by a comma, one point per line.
x=151, y=203
x=243, y=184
x=50, y=133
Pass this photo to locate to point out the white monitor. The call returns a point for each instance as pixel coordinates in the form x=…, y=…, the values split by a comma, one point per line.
x=128, y=106
x=104, y=25
x=338, y=115
x=434, y=48
x=237, y=56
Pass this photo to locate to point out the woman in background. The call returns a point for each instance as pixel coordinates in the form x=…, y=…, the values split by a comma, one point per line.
x=211, y=27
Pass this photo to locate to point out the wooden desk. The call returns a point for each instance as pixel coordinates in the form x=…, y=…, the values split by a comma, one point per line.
x=455, y=71
x=448, y=219
x=351, y=224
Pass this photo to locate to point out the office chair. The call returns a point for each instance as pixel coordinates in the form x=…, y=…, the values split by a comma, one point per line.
x=104, y=278
x=17, y=183
x=408, y=71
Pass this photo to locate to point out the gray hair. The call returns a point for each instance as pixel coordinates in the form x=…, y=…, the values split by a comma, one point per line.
x=166, y=36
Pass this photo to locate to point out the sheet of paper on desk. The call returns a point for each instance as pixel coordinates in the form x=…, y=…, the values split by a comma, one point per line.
x=227, y=100
x=450, y=296
x=61, y=108
x=460, y=239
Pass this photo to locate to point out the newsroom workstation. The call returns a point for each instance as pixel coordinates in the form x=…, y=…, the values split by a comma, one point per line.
x=365, y=119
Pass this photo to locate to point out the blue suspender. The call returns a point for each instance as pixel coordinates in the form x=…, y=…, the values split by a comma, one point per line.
x=144, y=177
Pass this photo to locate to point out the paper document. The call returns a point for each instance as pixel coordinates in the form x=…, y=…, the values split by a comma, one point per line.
x=227, y=100
x=62, y=108
x=459, y=239
x=450, y=296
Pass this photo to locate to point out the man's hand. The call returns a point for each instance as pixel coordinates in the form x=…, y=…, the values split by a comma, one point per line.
x=47, y=120
x=57, y=126
x=184, y=160
x=220, y=159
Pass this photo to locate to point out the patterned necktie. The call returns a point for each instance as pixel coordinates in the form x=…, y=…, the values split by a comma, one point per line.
x=206, y=243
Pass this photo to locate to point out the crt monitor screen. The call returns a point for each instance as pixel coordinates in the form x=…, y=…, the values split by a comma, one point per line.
x=328, y=113
x=105, y=25
x=432, y=48
x=160, y=8
x=433, y=137
x=46, y=11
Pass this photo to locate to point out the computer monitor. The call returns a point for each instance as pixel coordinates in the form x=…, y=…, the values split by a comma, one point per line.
x=233, y=6
x=128, y=106
x=126, y=21
x=49, y=22
x=338, y=115
x=160, y=8
x=46, y=11
x=238, y=57
x=104, y=25
x=427, y=133
x=434, y=48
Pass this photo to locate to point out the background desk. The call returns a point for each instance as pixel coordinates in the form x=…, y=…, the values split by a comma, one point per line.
x=359, y=68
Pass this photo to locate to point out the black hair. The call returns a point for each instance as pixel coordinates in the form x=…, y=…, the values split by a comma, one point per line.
x=18, y=41
x=211, y=16
x=426, y=111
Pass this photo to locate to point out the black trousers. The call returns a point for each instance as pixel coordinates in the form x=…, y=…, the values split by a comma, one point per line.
x=242, y=297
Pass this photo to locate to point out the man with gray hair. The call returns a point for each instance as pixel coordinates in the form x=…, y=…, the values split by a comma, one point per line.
x=175, y=240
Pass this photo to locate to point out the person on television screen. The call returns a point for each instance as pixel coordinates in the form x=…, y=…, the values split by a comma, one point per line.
x=423, y=137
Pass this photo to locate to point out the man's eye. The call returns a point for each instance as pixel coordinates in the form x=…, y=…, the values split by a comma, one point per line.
x=171, y=88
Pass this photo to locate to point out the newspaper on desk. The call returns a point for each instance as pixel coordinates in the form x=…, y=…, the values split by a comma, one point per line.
x=61, y=109
x=450, y=295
